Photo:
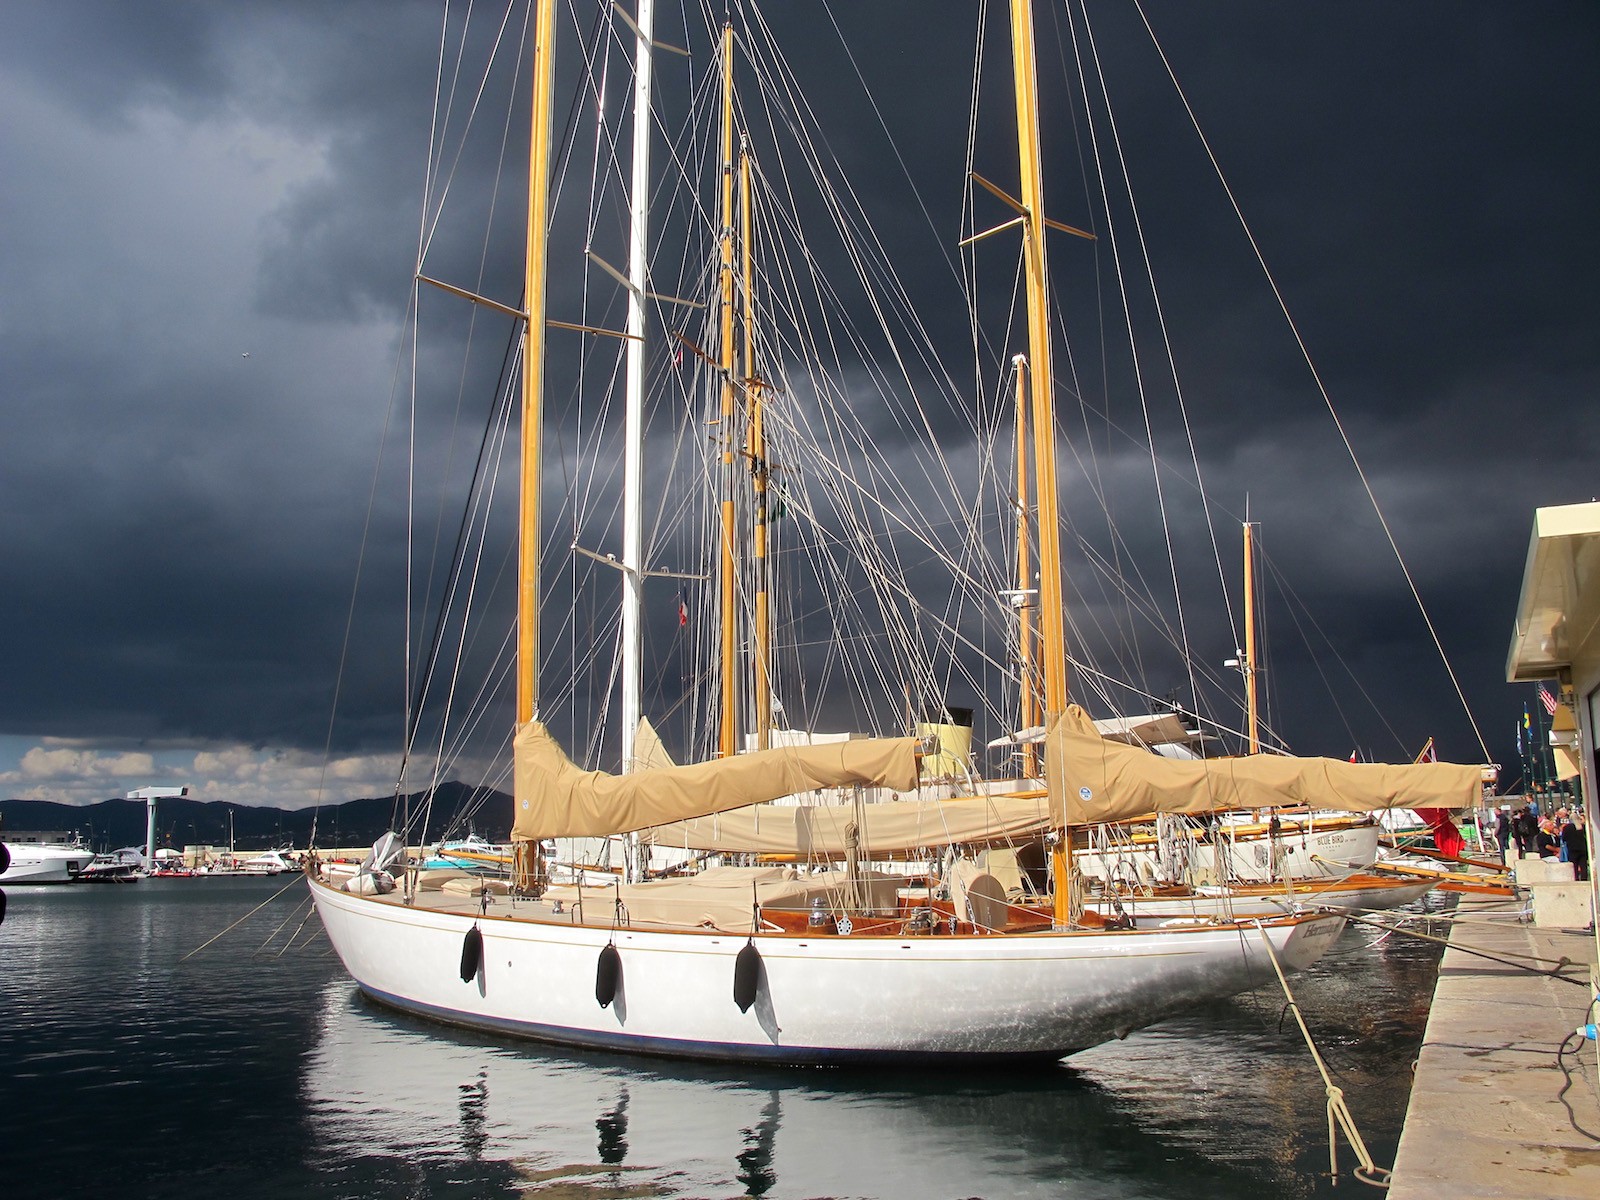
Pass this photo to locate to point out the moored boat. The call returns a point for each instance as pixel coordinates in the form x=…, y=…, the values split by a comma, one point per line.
x=112, y=868
x=818, y=998
x=46, y=862
x=795, y=965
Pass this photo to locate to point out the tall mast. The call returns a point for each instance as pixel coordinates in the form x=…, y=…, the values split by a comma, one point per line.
x=727, y=734
x=527, y=868
x=633, y=442
x=1248, y=664
x=533, y=362
x=1052, y=618
x=1028, y=713
x=758, y=467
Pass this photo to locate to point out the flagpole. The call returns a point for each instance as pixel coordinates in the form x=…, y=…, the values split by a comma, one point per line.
x=1522, y=751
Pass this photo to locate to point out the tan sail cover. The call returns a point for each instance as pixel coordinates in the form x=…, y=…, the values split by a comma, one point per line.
x=648, y=751
x=886, y=827
x=1093, y=779
x=555, y=798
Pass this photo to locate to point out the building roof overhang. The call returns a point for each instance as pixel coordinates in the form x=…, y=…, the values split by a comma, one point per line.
x=1558, y=614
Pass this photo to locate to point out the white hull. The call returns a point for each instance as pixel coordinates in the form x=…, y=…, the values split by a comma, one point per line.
x=1155, y=911
x=823, y=999
x=1313, y=854
x=35, y=862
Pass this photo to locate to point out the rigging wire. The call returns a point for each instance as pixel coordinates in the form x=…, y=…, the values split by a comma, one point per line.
x=1322, y=389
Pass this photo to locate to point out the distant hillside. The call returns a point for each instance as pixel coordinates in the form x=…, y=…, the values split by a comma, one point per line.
x=114, y=823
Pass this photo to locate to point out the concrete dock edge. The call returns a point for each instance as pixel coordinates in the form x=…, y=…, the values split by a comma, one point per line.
x=1488, y=1115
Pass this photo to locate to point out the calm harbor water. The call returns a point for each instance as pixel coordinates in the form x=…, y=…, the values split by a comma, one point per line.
x=255, y=1069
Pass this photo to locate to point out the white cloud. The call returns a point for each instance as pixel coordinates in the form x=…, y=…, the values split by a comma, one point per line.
x=52, y=765
x=77, y=772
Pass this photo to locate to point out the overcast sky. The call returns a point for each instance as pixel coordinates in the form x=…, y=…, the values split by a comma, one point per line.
x=210, y=216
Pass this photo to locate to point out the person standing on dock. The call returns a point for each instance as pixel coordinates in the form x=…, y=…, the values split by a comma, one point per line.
x=1575, y=840
x=1502, y=830
x=1525, y=828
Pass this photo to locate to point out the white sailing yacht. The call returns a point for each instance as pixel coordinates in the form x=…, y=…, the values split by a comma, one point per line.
x=766, y=963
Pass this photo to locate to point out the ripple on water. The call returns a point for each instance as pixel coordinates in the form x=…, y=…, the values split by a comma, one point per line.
x=244, y=1073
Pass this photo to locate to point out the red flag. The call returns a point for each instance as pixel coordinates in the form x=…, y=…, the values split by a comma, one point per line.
x=1546, y=699
x=683, y=613
x=1352, y=756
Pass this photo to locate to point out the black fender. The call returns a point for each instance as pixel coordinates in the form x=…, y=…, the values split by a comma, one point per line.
x=471, y=954
x=747, y=971
x=607, y=975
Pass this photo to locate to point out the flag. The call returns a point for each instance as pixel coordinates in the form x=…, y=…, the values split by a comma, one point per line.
x=1548, y=700
x=1428, y=753
x=1352, y=756
x=683, y=613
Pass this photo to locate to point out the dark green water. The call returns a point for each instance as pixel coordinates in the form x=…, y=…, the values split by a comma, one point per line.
x=246, y=1072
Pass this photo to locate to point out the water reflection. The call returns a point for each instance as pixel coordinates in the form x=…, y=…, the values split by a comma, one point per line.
x=613, y=1130
x=755, y=1160
x=335, y=1097
x=1224, y=1105
x=474, y=1100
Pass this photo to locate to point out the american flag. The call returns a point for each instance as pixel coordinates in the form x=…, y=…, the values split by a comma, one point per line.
x=1548, y=700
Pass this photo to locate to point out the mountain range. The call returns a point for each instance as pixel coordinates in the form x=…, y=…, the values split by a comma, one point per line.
x=111, y=824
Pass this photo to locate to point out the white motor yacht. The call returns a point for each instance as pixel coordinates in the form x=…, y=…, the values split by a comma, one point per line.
x=45, y=862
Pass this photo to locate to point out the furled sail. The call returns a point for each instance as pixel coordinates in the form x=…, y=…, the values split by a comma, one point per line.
x=884, y=827
x=1094, y=779
x=555, y=798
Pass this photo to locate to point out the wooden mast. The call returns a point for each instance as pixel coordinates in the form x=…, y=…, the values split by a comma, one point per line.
x=533, y=357
x=762, y=676
x=1248, y=664
x=1052, y=617
x=1028, y=713
x=726, y=742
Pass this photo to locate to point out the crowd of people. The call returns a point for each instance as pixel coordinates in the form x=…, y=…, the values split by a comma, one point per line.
x=1559, y=836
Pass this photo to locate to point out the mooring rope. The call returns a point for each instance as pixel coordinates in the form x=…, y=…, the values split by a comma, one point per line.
x=281, y=924
x=1339, y=1116
x=242, y=919
x=310, y=912
x=1509, y=960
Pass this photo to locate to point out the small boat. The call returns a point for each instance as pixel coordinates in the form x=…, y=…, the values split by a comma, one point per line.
x=471, y=853
x=1297, y=845
x=272, y=862
x=111, y=868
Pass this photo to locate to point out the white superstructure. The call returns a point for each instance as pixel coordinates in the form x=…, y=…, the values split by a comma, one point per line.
x=45, y=862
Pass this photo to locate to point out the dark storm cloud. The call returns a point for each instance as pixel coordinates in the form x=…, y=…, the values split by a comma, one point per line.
x=187, y=184
x=195, y=393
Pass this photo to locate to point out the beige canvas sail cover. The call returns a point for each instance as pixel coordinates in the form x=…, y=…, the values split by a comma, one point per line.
x=555, y=798
x=884, y=827
x=1093, y=779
